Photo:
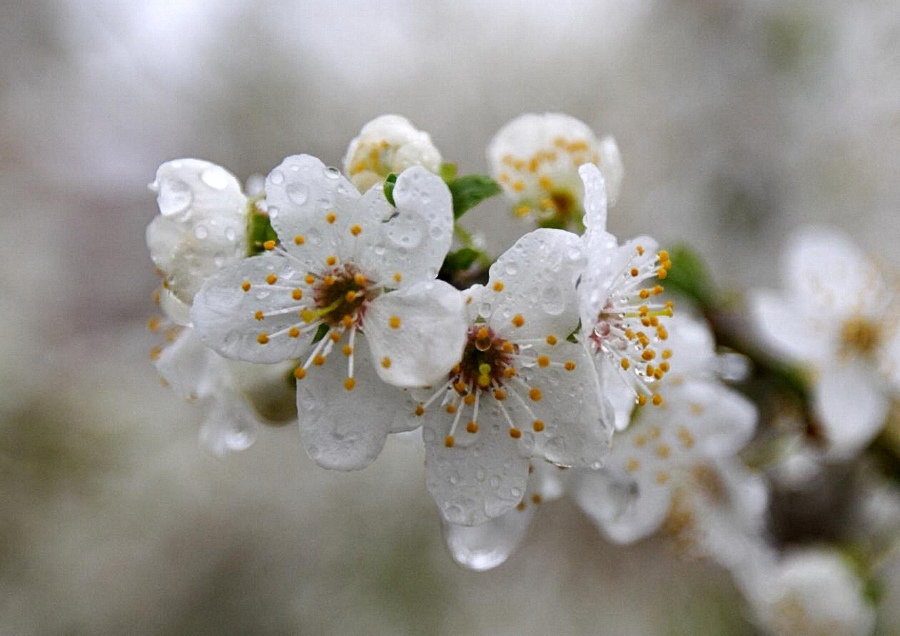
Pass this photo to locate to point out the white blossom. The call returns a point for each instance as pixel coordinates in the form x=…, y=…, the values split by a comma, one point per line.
x=535, y=158
x=837, y=317
x=520, y=390
x=360, y=269
x=388, y=144
x=201, y=228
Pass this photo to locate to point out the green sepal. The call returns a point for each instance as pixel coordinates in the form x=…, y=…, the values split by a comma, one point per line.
x=320, y=332
x=470, y=190
x=461, y=259
x=389, y=184
x=259, y=229
x=448, y=172
x=690, y=277
x=573, y=337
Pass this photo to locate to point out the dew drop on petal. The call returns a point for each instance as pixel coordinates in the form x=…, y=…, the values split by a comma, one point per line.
x=201, y=232
x=298, y=193
x=515, y=492
x=239, y=439
x=495, y=481
x=174, y=196
x=552, y=300
x=272, y=211
x=314, y=236
x=215, y=177
x=277, y=177
x=332, y=173
x=230, y=234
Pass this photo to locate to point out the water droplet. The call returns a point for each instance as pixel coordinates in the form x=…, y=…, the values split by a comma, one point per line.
x=512, y=269
x=239, y=439
x=215, y=177
x=174, y=196
x=516, y=492
x=230, y=234
x=332, y=173
x=273, y=211
x=484, y=310
x=276, y=177
x=262, y=295
x=314, y=236
x=552, y=300
x=495, y=481
x=201, y=232
x=379, y=250
x=298, y=192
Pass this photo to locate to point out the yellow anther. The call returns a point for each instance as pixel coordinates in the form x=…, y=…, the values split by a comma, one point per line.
x=498, y=286
x=398, y=277
x=640, y=250
x=648, y=354
x=625, y=364
x=299, y=373
x=642, y=400
x=536, y=498
x=310, y=279
x=666, y=354
x=629, y=334
x=657, y=399
x=451, y=409
x=663, y=451
x=293, y=332
x=469, y=400
x=662, y=477
x=657, y=290
x=635, y=271
x=459, y=387
x=246, y=285
x=319, y=360
x=359, y=279
x=640, y=440
x=350, y=296
x=394, y=322
x=663, y=255
x=153, y=324
x=299, y=239
x=329, y=280
x=484, y=381
x=546, y=183
x=521, y=506
x=449, y=441
x=347, y=350
x=155, y=352
x=569, y=365
x=259, y=315
x=535, y=394
x=507, y=347
x=664, y=367
x=297, y=294
x=484, y=369
x=515, y=433
x=269, y=245
x=331, y=217
x=272, y=278
x=551, y=340
x=518, y=185
x=522, y=210
x=482, y=333
x=349, y=383
x=518, y=320
x=355, y=230
x=510, y=372
x=686, y=437
x=420, y=410
x=543, y=361
x=499, y=395
x=537, y=426
x=262, y=338
x=632, y=465
x=661, y=273
x=386, y=362
x=644, y=294
x=472, y=427
x=331, y=261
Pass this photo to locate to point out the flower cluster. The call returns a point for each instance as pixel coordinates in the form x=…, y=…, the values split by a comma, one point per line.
x=345, y=301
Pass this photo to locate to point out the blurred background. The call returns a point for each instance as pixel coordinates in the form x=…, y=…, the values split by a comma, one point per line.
x=737, y=121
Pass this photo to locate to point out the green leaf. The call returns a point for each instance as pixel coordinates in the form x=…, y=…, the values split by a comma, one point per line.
x=461, y=259
x=448, y=172
x=389, y=184
x=690, y=277
x=470, y=190
x=321, y=332
x=259, y=230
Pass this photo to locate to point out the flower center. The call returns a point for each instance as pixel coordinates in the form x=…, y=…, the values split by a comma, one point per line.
x=860, y=336
x=341, y=296
x=486, y=360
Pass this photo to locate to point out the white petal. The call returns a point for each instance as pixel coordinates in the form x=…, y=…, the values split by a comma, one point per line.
x=623, y=508
x=341, y=429
x=429, y=338
x=721, y=421
x=229, y=426
x=313, y=209
x=578, y=419
x=535, y=279
x=415, y=238
x=224, y=315
x=482, y=477
x=827, y=273
x=594, y=200
x=692, y=345
x=192, y=187
x=852, y=405
x=485, y=546
x=787, y=332
x=186, y=365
